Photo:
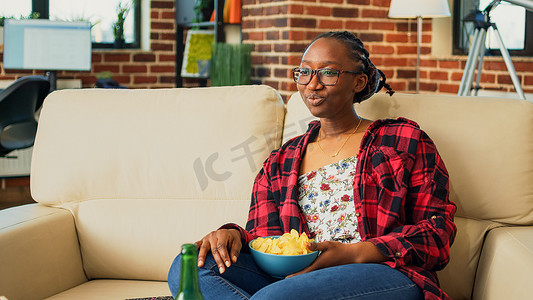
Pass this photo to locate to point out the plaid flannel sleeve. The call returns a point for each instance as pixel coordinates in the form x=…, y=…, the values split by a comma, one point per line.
x=426, y=238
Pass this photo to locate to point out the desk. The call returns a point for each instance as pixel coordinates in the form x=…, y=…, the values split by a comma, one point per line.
x=61, y=84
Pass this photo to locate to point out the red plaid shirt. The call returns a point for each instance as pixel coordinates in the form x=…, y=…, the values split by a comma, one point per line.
x=400, y=195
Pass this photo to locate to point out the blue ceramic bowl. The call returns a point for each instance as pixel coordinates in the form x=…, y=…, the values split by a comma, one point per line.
x=280, y=266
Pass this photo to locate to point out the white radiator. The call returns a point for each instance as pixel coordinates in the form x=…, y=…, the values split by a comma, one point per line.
x=20, y=166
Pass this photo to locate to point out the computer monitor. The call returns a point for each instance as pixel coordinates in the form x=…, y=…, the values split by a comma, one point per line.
x=47, y=45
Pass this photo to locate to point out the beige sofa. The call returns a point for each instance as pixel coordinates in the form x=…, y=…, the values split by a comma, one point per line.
x=124, y=177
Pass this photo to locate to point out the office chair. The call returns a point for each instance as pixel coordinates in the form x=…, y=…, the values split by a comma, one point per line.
x=18, y=104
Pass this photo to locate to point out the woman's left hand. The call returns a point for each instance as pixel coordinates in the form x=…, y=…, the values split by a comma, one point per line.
x=337, y=253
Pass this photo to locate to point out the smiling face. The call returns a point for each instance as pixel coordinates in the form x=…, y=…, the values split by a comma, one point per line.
x=336, y=100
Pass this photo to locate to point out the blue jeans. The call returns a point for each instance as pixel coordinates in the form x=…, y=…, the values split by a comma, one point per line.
x=244, y=280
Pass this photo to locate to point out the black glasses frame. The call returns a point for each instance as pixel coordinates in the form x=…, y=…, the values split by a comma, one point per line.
x=313, y=72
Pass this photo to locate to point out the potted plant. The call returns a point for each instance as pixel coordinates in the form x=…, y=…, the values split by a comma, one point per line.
x=122, y=11
x=203, y=10
x=2, y=18
x=231, y=64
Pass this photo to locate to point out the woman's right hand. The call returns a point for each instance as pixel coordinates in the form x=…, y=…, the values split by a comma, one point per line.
x=225, y=245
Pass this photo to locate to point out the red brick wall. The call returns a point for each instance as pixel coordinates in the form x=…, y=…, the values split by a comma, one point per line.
x=279, y=31
x=131, y=68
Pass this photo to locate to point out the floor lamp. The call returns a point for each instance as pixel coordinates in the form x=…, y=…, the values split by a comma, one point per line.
x=407, y=9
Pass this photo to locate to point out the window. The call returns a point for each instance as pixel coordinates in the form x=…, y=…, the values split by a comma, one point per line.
x=100, y=13
x=514, y=23
x=20, y=9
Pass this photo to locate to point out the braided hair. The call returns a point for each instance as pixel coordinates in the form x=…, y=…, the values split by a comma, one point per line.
x=376, y=78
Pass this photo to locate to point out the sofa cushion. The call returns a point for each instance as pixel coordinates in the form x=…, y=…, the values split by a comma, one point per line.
x=486, y=144
x=114, y=289
x=505, y=268
x=39, y=252
x=144, y=171
x=464, y=258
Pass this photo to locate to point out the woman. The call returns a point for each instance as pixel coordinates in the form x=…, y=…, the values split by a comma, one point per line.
x=374, y=195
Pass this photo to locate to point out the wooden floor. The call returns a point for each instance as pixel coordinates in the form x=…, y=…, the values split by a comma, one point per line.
x=14, y=192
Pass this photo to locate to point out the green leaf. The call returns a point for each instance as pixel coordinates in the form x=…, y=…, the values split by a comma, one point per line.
x=231, y=64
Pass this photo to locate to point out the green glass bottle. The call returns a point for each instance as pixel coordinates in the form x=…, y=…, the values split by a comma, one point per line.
x=189, y=287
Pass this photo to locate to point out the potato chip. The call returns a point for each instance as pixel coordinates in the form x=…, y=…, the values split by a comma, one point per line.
x=290, y=243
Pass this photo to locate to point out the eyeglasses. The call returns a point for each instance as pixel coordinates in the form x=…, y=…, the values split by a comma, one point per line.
x=325, y=76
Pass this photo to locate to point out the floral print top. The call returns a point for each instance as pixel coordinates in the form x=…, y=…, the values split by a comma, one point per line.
x=326, y=199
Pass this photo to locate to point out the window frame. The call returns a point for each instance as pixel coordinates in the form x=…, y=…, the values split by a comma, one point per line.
x=457, y=31
x=43, y=8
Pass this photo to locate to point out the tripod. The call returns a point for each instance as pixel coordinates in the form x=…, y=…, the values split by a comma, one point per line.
x=477, y=51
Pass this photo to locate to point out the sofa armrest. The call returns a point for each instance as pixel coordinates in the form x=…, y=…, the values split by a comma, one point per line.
x=40, y=254
x=506, y=264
